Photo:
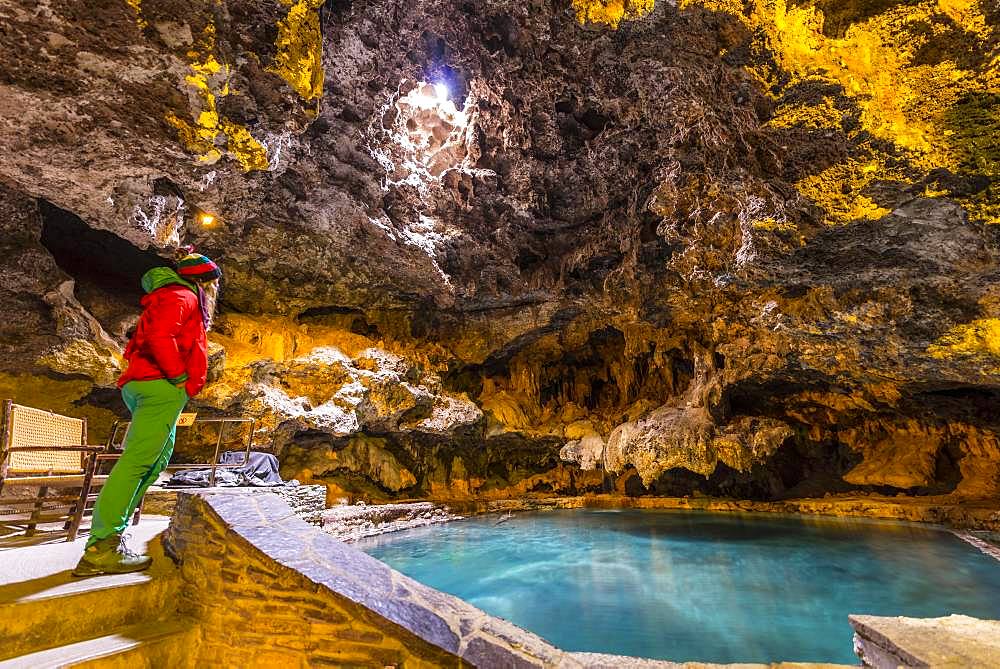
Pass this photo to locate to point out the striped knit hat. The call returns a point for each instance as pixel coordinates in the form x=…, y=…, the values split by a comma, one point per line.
x=196, y=266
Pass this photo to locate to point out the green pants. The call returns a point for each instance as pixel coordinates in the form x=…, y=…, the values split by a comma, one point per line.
x=155, y=406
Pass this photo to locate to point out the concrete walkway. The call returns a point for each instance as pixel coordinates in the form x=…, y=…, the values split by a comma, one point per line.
x=50, y=619
x=42, y=570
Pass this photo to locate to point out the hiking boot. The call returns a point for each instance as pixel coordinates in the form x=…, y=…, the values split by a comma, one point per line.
x=110, y=556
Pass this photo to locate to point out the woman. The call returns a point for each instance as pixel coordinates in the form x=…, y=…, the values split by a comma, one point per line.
x=166, y=366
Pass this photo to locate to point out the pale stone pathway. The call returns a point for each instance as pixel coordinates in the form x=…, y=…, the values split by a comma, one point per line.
x=24, y=563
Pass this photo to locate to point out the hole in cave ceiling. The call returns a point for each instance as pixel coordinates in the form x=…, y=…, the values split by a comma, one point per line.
x=422, y=135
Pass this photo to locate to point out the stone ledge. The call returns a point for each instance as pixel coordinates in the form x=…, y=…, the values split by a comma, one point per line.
x=953, y=642
x=265, y=524
x=308, y=501
x=973, y=515
x=349, y=523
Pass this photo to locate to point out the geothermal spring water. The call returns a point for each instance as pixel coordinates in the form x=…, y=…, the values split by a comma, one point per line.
x=696, y=586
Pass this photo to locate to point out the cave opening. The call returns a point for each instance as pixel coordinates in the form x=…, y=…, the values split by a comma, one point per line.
x=798, y=468
x=947, y=472
x=106, y=269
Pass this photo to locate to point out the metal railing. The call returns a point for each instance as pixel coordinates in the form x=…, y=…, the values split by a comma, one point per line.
x=119, y=432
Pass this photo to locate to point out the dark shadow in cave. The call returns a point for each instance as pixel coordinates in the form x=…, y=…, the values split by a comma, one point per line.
x=973, y=397
x=796, y=469
x=106, y=268
x=353, y=319
x=947, y=472
x=799, y=470
x=634, y=487
x=769, y=397
x=92, y=256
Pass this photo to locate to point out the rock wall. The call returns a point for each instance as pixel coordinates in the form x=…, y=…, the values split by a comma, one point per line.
x=491, y=249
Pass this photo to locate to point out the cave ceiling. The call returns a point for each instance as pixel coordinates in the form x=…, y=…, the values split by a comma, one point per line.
x=645, y=235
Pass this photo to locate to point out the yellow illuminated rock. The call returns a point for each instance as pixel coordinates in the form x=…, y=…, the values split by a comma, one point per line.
x=250, y=153
x=611, y=12
x=837, y=191
x=59, y=395
x=824, y=115
x=978, y=338
x=209, y=133
x=300, y=49
x=934, y=113
x=136, y=6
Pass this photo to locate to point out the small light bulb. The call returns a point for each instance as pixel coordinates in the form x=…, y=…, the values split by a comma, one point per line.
x=442, y=92
x=207, y=219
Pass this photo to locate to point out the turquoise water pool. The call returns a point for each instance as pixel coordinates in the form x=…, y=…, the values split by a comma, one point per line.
x=696, y=586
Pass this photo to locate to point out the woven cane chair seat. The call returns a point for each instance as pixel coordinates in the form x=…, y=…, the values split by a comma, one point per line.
x=35, y=427
x=63, y=480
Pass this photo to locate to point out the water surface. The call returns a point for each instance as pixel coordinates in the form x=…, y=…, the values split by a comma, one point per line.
x=696, y=586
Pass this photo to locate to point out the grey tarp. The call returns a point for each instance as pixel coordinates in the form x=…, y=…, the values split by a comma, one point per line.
x=261, y=470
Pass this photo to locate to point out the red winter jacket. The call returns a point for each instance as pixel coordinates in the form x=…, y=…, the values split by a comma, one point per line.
x=169, y=341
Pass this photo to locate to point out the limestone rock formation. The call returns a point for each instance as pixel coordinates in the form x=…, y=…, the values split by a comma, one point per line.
x=493, y=248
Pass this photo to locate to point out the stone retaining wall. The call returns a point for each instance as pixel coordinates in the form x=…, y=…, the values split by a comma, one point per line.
x=983, y=515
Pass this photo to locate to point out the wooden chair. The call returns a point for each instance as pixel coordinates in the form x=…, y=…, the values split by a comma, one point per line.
x=46, y=450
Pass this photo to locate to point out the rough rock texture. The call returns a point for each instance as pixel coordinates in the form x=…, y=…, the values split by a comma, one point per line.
x=348, y=522
x=45, y=332
x=483, y=249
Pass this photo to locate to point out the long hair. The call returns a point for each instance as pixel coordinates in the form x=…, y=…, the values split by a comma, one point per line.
x=209, y=298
